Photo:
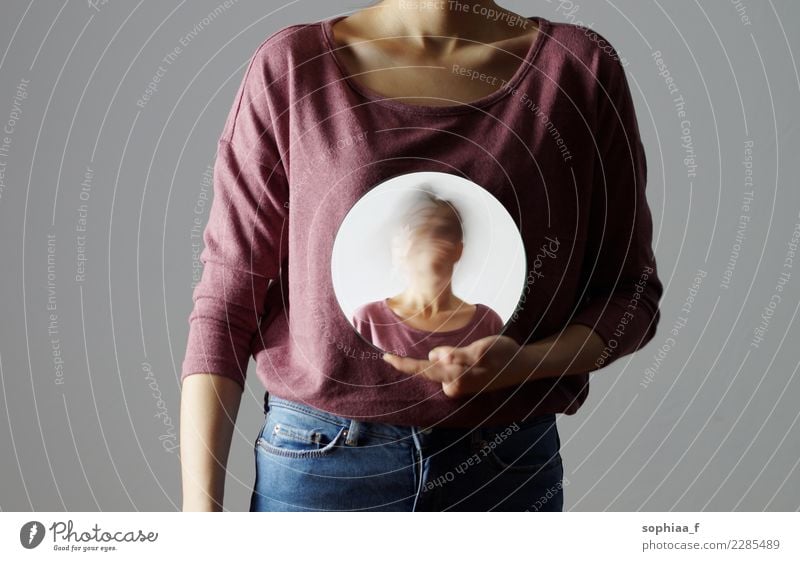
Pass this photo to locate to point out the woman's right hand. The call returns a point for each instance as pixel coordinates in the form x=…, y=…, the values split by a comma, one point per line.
x=209, y=406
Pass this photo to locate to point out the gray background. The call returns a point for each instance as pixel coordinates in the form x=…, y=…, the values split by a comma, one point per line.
x=715, y=429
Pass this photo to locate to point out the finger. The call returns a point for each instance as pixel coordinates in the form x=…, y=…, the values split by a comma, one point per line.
x=441, y=354
x=408, y=365
x=453, y=355
x=452, y=389
x=437, y=372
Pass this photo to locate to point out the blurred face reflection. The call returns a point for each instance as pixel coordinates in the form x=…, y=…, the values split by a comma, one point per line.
x=430, y=243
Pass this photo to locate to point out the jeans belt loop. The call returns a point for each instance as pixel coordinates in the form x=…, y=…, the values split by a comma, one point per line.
x=352, y=432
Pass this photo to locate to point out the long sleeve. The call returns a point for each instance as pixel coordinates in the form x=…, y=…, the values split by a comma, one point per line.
x=621, y=302
x=245, y=237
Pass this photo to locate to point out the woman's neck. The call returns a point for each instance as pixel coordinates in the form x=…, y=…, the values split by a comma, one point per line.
x=427, y=298
x=439, y=24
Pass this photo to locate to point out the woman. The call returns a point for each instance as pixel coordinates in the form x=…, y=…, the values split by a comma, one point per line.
x=538, y=113
x=426, y=245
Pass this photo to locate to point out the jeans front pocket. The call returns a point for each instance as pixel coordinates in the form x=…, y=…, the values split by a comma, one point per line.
x=294, y=434
x=528, y=447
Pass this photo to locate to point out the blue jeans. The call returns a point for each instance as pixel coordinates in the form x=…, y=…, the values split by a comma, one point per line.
x=312, y=460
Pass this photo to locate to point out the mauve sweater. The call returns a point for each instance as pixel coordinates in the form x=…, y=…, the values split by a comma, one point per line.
x=558, y=145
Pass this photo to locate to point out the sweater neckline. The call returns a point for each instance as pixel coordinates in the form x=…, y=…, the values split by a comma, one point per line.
x=543, y=25
x=475, y=316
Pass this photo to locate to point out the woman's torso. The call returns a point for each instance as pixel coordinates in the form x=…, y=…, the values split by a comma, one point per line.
x=530, y=144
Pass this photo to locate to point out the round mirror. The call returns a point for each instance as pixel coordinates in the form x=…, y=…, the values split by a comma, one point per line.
x=427, y=259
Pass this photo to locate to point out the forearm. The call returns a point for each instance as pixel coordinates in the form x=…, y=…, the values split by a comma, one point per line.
x=209, y=406
x=573, y=351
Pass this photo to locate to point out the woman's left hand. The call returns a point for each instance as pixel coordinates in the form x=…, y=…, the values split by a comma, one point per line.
x=487, y=364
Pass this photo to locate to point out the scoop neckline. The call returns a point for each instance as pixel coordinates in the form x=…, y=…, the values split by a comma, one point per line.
x=470, y=324
x=543, y=25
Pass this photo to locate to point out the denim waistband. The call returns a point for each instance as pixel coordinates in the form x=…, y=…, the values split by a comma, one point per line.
x=388, y=430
